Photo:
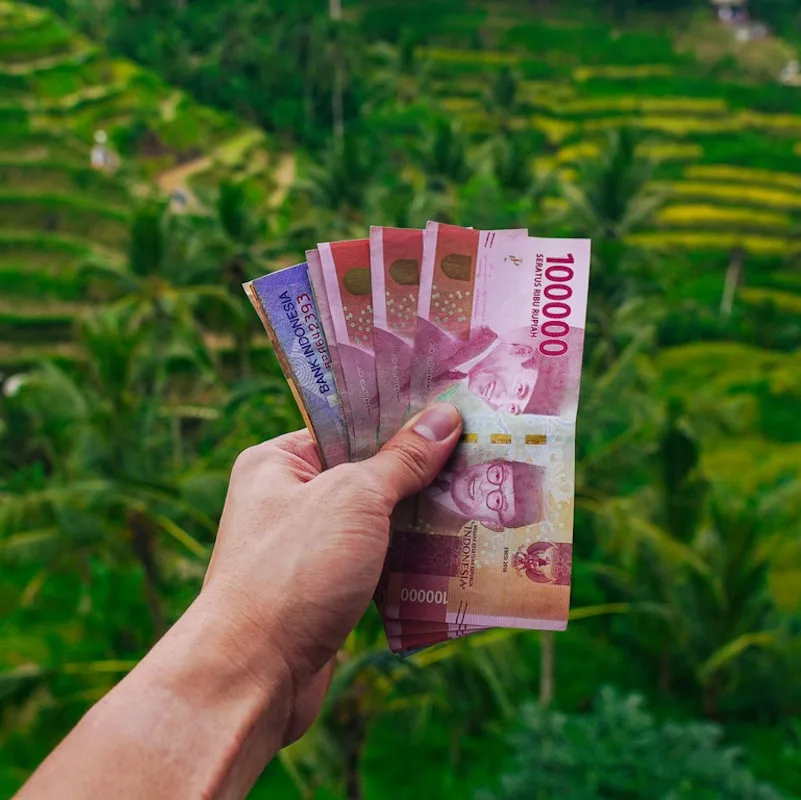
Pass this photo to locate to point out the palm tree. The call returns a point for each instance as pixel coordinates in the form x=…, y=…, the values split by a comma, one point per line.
x=172, y=284
x=512, y=156
x=304, y=65
x=505, y=191
x=400, y=76
x=737, y=611
x=734, y=277
x=338, y=92
x=329, y=199
x=501, y=100
x=442, y=153
x=612, y=195
x=406, y=201
x=699, y=560
x=233, y=242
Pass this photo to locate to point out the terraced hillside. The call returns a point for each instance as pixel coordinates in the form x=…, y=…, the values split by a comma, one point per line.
x=727, y=139
x=56, y=90
x=730, y=147
x=725, y=135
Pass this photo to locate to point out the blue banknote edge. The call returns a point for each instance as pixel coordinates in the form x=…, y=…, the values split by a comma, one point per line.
x=280, y=353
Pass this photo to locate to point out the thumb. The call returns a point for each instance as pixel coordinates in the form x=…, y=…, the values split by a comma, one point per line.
x=414, y=456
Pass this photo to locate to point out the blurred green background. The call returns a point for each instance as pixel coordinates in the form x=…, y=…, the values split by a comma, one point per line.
x=154, y=154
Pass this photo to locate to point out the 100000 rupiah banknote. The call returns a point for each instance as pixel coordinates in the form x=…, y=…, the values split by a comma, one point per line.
x=395, y=258
x=396, y=255
x=450, y=311
x=500, y=333
x=287, y=309
x=346, y=271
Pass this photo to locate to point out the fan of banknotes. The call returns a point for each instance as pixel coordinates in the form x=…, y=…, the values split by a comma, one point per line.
x=369, y=332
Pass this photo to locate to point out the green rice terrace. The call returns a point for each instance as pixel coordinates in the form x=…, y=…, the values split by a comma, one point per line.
x=727, y=147
x=728, y=152
x=56, y=212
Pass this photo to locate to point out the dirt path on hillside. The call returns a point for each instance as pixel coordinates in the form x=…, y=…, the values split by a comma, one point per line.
x=177, y=178
x=284, y=175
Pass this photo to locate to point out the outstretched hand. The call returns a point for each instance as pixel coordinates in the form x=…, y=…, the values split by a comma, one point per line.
x=300, y=551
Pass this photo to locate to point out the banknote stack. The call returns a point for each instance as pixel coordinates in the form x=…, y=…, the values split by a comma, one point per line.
x=369, y=332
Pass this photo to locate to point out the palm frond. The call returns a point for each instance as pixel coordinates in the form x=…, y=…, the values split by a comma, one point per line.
x=732, y=650
x=183, y=537
x=29, y=545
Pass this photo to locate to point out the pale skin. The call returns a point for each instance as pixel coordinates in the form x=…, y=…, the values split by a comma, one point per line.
x=245, y=670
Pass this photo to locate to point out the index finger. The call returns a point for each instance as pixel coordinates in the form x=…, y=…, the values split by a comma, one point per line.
x=300, y=444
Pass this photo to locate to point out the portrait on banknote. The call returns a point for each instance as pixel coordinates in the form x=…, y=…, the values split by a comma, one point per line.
x=499, y=494
x=506, y=369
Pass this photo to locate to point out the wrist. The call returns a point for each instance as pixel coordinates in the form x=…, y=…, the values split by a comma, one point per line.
x=200, y=716
x=242, y=655
x=256, y=633
x=237, y=698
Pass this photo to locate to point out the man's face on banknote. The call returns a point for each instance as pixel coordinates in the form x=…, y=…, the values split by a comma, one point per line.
x=499, y=494
x=505, y=378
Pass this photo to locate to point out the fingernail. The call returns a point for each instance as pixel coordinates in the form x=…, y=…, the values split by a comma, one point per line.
x=438, y=422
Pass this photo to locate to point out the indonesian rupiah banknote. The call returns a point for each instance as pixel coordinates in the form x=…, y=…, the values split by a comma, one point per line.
x=500, y=333
x=396, y=255
x=346, y=272
x=395, y=258
x=317, y=281
x=452, y=310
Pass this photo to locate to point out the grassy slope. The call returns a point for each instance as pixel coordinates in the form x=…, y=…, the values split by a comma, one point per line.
x=56, y=90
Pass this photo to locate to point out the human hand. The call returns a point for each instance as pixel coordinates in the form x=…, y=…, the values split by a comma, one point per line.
x=299, y=551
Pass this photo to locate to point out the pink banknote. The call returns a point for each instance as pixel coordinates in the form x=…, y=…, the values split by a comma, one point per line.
x=346, y=272
x=500, y=333
x=405, y=635
x=396, y=255
x=407, y=643
x=395, y=258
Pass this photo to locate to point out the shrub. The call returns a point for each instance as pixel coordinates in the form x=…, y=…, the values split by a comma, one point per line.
x=619, y=751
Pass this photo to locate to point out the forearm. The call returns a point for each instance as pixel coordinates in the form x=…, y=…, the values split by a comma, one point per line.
x=194, y=719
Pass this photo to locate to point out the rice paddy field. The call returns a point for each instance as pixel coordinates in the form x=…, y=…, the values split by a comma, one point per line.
x=723, y=135
x=726, y=141
x=57, y=89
